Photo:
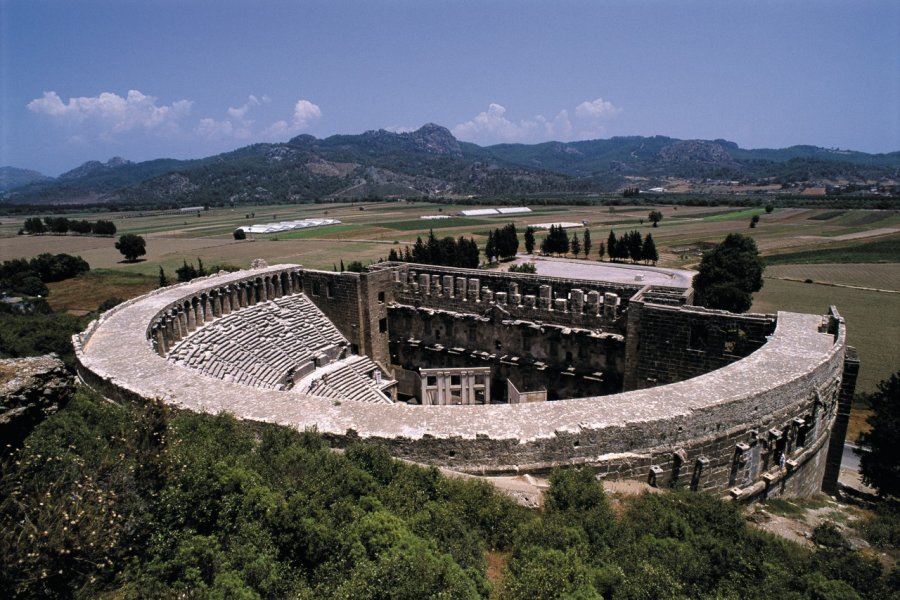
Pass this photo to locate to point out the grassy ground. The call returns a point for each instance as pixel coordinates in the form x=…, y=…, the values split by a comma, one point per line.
x=883, y=276
x=878, y=250
x=83, y=294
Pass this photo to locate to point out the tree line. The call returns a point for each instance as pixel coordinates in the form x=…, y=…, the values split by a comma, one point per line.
x=62, y=225
x=447, y=252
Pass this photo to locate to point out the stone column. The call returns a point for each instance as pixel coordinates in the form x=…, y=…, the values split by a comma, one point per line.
x=610, y=305
x=593, y=302
x=530, y=301
x=425, y=284
x=159, y=335
x=515, y=298
x=217, y=305
x=263, y=295
x=500, y=297
x=174, y=324
x=461, y=288
x=545, y=298
x=191, y=317
x=182, y=321
x=488, y=295
x=207, y=309
x=576, y=300
x=235, y=297
x=448, y=286
x=474, y=289
x=225, y=294
x=198, y=312
x=559, y=304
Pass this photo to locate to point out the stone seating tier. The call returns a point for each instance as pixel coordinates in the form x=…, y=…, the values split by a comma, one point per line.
x=261, y=344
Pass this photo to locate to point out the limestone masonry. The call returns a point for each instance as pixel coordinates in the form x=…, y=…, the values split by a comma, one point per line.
x=489, y=372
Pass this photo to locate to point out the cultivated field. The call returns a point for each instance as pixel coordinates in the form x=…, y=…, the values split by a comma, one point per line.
x=885, y=276
x=845, y=242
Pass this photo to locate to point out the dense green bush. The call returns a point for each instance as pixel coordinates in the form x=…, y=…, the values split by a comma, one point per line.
x=104, y=500
x=27, y=277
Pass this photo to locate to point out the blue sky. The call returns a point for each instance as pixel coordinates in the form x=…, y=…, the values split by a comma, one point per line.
x=87, y=80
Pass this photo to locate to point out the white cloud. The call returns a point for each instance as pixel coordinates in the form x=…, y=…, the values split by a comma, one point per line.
x=236, y=125
x=494, y=126
x=210, y=128
x=595, y=109
x=305, y=112
x=113, y=113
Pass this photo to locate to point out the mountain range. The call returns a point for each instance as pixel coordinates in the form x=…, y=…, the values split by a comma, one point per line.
x=430, y=162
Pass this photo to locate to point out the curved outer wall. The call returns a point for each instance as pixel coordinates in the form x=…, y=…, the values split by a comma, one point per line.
x=758, y=426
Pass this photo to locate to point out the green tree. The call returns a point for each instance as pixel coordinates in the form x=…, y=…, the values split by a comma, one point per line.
x=612, y=246
x=490, y=247
x=34, y=225
x=163, y=280
x=649, y=253
x=601, y=251
x=575, y=244
x=878, y=464
x=729, y=274
x=239, y=234
x=102, y=227
x=529, y=239
x=186, y=272
x=753, y=221
x=57, y=224
x=655, y=217
x=131, y=246
x=587, y=242
x=769, y=207
x=633, y=245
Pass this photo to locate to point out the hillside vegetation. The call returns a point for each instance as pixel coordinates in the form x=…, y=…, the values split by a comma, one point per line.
x=137, y=502
x=431, y=163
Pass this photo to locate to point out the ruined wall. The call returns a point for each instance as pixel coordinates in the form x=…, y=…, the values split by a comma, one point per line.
x=569, y=302
x=666, y=344
x=338, y=296
x=567, y=362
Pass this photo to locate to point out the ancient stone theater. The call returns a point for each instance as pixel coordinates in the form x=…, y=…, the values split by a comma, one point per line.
x=490, y=372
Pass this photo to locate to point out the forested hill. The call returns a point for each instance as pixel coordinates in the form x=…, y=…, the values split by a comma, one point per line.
x=430, y=162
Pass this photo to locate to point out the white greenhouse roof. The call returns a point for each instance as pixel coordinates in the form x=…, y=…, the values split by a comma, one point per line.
x=288, y=225
x=563, y=224
x=485, y=212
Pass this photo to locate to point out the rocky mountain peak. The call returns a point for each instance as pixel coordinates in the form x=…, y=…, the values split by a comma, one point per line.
x=435, y=139
x=95, y=166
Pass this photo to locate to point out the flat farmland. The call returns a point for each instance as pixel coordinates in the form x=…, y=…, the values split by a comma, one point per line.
x=882, y=276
